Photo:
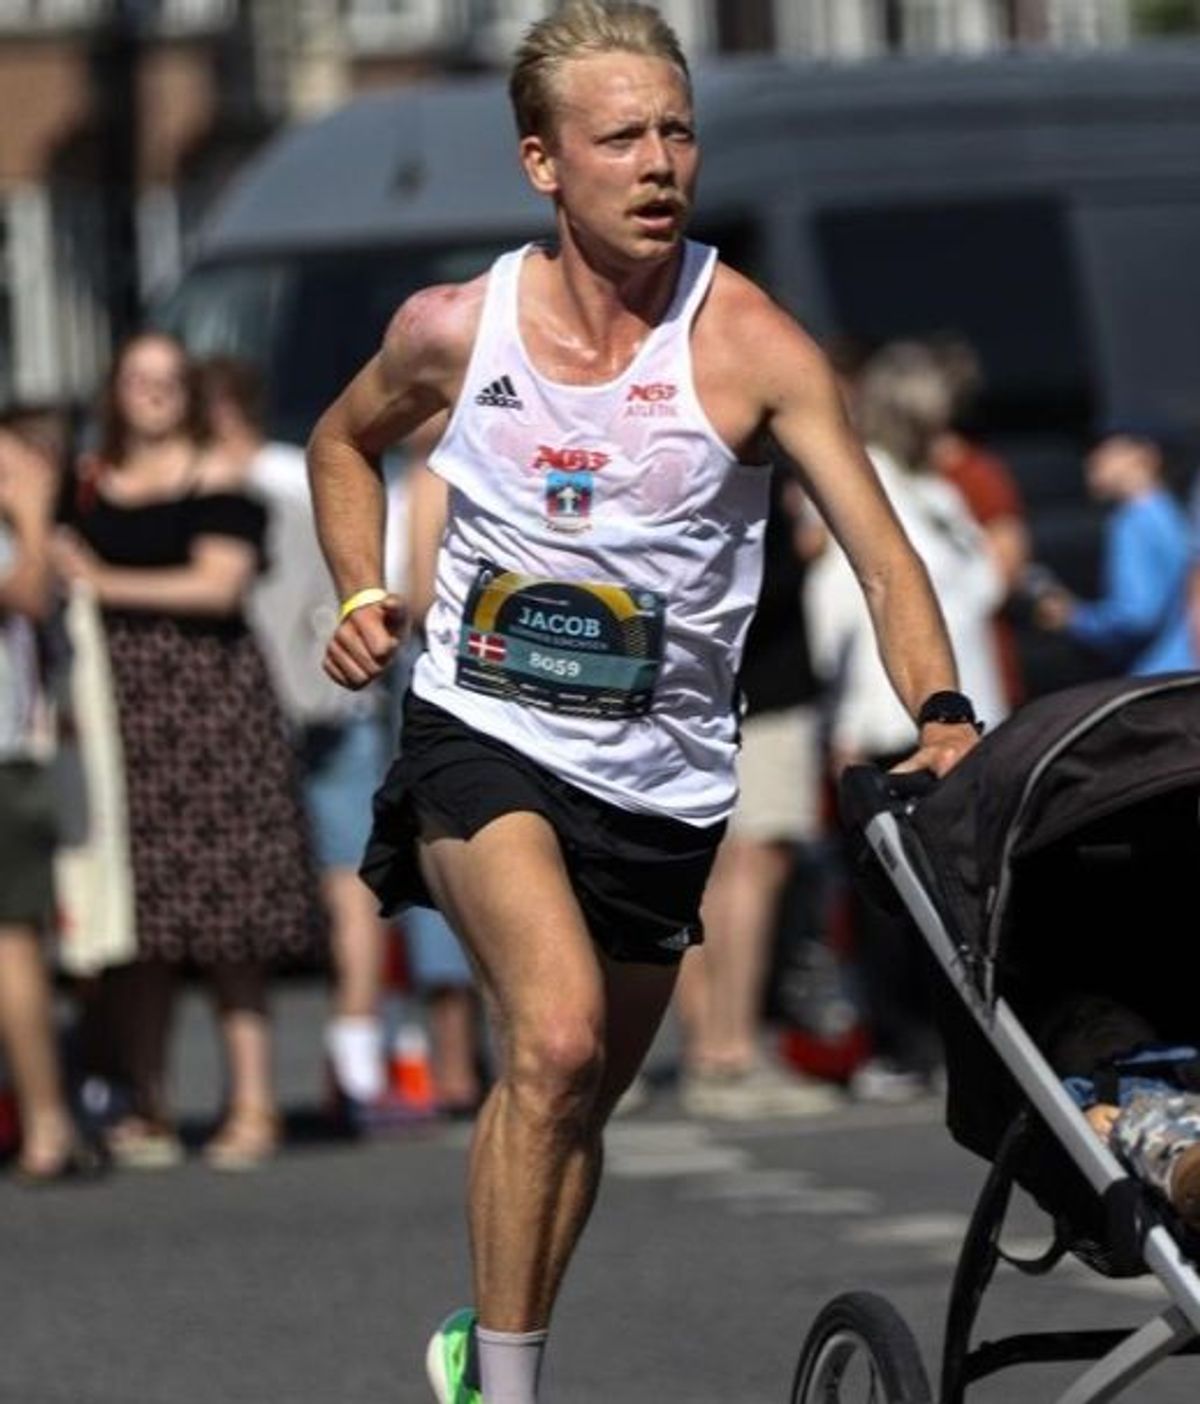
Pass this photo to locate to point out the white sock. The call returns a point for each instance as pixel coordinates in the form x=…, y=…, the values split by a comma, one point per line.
x=355, y=1049
x=509, y=1365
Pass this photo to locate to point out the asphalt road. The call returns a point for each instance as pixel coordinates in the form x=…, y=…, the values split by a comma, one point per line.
x=317, y=1280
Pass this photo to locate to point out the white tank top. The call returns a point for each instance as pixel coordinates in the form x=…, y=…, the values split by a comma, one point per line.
x=601, y=564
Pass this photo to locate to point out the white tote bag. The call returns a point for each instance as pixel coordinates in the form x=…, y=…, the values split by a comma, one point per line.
x=93, y=874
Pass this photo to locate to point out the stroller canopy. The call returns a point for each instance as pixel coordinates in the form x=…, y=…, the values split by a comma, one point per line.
x=1057, y=764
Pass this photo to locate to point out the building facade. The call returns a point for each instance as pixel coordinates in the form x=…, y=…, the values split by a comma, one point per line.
x=120, y=120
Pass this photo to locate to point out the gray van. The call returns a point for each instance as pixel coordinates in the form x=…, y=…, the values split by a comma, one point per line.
x=1044, y=206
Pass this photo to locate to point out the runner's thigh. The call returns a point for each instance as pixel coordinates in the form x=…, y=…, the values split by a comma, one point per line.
x=507, y=893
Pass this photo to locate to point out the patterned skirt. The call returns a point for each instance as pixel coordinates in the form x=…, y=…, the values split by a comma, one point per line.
x=221, y=860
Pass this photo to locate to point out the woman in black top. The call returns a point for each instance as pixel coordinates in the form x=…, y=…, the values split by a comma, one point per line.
x=222, y=876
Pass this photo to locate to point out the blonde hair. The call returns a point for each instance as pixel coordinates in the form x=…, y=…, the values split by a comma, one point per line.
x=904, y=401
x=578, y=29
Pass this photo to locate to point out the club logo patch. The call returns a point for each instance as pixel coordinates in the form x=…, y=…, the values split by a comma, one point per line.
x=569, y=485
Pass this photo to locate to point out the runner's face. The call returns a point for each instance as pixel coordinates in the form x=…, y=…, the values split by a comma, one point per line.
x=623, y=159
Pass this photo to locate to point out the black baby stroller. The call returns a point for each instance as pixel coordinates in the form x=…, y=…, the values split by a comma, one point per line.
x=1064, y=850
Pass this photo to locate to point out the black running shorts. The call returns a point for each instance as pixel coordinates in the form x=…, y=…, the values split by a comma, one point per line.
x=638, y=878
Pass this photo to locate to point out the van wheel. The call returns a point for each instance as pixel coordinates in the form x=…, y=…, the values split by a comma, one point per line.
x=860, y=1351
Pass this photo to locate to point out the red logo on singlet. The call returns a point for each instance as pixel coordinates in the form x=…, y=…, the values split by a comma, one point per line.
x=656, y=390
x=653, y=399
x=569, y=460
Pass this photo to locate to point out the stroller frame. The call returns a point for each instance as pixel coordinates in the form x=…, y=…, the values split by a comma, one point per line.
x=1120, y=1357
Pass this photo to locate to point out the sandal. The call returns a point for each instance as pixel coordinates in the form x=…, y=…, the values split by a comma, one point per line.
x=137, y=1144
x=80, y=1161
x=246, y=1141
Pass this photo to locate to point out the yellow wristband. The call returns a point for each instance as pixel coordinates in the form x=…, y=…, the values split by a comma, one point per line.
x=374, y=594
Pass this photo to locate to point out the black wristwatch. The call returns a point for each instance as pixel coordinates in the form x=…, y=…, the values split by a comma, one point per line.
x=950, y=709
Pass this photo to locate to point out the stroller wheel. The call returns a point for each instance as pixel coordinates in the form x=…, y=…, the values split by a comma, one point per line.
x=860, y=1351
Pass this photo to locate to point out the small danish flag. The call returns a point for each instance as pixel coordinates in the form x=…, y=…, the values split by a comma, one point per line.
x=489, y=648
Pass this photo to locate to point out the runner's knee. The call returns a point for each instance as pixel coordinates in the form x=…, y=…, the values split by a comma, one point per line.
x=556, y=1066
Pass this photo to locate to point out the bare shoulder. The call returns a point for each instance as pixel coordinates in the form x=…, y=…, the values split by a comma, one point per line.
x=436, y=326
x=218, y=472
x=753, y=360
x=415, y=373
x=758, y=332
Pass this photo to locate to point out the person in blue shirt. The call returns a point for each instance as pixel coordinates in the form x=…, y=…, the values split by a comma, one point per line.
x=1140, y=622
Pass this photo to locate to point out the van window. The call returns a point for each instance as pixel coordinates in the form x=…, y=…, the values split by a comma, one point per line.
x=736, y=240
x=1000, y=273
x=228, y=310
x=308, y=321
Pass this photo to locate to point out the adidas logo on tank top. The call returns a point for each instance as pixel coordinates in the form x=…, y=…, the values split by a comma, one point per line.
x=500, y=394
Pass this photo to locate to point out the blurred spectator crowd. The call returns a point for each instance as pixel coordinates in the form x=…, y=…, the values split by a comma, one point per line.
x=187, y=795
x=184, y=796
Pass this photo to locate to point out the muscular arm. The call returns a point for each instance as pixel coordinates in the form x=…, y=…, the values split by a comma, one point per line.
x=803, y=409
x=413, y=377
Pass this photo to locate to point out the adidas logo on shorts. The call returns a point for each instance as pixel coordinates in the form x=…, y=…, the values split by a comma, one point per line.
x=500, y=394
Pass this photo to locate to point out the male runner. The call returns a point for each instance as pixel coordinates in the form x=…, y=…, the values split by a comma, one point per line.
x=570, y=735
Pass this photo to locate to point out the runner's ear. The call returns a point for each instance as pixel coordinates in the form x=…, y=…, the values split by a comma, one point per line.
x=540, y=167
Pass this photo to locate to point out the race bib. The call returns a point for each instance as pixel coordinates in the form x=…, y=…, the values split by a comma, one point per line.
x=580, y=648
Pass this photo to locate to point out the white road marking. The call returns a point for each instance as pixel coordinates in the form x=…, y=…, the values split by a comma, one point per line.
x=754, y=1192
x=910, y=1230
x=854, y=1116
x=723, y=1174
x=752, y=1184
x=1148, y=1289
x=666, y=1149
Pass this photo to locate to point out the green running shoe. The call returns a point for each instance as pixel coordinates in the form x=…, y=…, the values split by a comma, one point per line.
x=451, y=1357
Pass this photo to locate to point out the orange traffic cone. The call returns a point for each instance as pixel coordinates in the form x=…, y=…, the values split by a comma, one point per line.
x=410, y=1070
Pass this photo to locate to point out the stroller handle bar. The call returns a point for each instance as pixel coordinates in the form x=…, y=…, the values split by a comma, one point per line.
x=865, y=791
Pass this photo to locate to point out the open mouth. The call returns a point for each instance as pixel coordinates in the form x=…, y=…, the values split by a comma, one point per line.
x=658, y=214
